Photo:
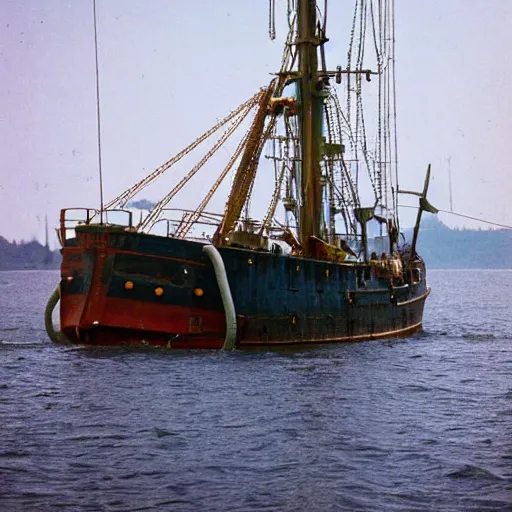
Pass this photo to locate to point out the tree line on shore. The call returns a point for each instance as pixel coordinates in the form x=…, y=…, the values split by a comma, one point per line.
x=440, y=247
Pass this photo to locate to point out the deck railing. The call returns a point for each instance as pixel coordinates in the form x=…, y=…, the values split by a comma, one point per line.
x=70, y=218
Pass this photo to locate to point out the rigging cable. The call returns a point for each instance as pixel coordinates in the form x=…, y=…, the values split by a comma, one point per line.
x=329, y=169
x=353, y=188
x=385, y=88
x=461, y=215
x=266, y=135
x=379, y=119
x=275, y=198
x=128, y=194
x=363, y=142
x=358, y=91
x=345, y=199
x=393, y=41
x=151, y=219
x=184, y=226
x=272, y=19
x=349, y=56
x=324, y=27
x=98, y=111
x=389, y=71
x=289, y=55
x=289, y=12
x=361, y=138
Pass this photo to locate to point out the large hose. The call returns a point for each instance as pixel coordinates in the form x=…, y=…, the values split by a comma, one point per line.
x=225, y=293
x=55, y=336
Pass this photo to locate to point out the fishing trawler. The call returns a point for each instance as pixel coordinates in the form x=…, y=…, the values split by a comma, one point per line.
x=324, y=264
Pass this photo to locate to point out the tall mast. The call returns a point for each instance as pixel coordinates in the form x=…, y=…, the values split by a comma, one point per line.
x=46, y=239
x=310, y=122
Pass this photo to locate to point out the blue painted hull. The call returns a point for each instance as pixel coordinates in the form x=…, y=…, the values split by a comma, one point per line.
x=278, y=299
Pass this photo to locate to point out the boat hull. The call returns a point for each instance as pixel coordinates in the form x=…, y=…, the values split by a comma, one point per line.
x=125, y=288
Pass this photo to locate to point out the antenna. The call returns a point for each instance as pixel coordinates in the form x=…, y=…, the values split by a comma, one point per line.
x=98, y=111
x=46, y=242
x=48, y=256
x=450, y=182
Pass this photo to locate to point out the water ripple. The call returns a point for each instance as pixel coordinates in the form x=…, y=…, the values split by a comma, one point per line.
x=412, y=424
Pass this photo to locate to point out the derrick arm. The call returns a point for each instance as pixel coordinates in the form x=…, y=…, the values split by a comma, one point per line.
x=247, y=168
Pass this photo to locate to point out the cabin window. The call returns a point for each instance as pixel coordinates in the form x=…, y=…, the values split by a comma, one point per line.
x=174, y=272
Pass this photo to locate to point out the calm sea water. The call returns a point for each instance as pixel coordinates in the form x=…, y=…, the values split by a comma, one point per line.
x=423, y=423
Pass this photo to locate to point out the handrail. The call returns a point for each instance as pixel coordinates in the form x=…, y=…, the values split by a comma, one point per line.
x=68, y=223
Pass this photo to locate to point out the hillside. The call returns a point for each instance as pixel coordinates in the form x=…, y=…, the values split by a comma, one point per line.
x=27, y=256
x=442, y=247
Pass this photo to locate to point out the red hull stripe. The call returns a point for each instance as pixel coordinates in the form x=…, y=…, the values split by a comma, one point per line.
x=139, y=315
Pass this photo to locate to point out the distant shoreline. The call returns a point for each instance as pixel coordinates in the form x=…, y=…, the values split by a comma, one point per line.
x=442, y=248
x=31, y=270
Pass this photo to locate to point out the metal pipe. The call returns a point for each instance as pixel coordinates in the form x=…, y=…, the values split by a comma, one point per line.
x=225, y=292
x=55, y=336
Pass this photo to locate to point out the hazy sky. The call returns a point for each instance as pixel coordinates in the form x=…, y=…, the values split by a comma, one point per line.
x=170, y=68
